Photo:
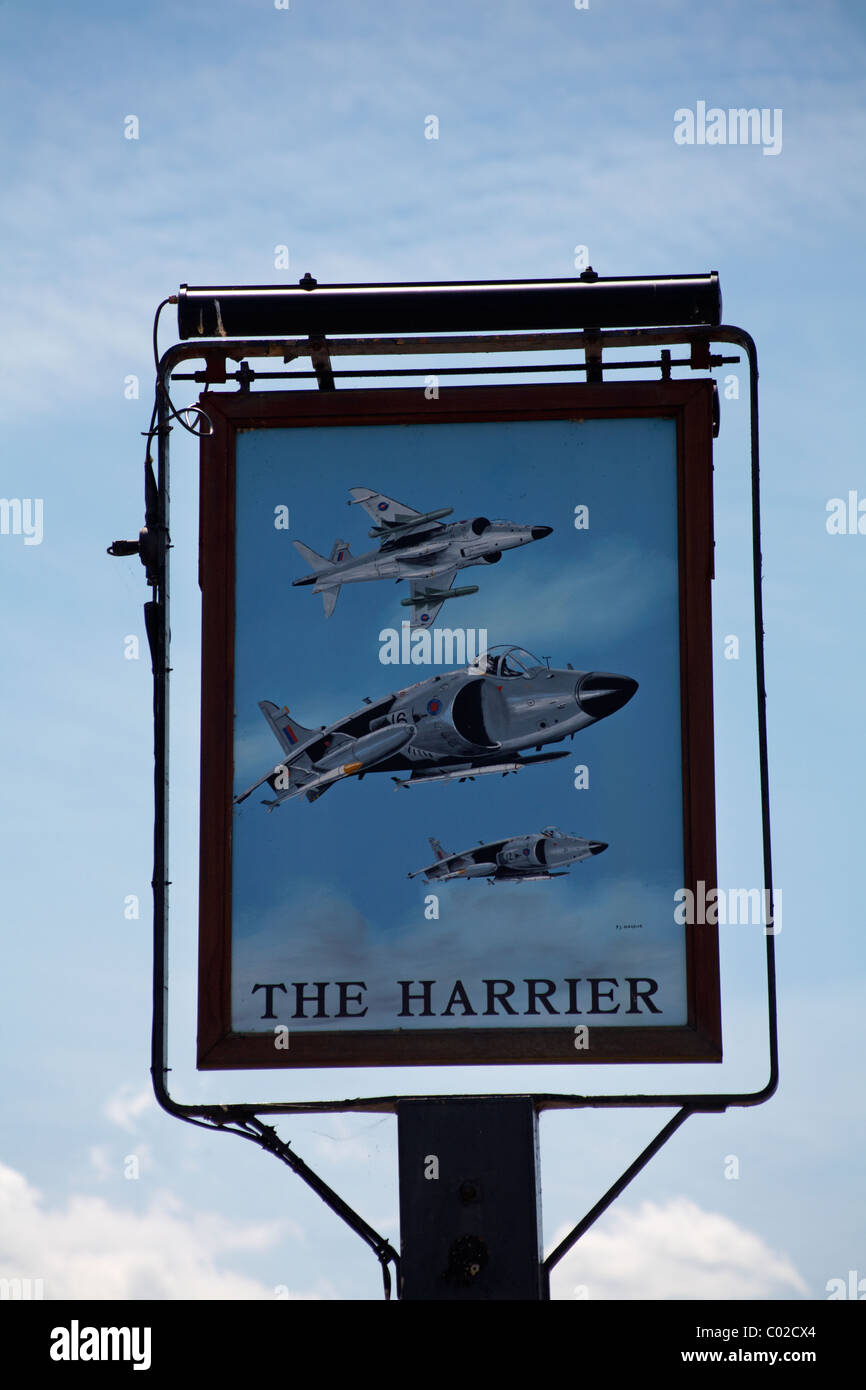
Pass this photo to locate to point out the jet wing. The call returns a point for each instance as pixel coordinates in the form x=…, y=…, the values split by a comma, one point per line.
x=358, y=722
x=292, y=780
x=480, y=767
x=383, y=510
x=483, y=854
x=428, y=596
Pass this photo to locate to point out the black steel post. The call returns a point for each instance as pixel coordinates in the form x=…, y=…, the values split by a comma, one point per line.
x=470, y=1200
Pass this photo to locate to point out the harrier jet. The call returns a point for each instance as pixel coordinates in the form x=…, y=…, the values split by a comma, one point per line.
x=417, y=546
x=463, y=724
x=521, y=859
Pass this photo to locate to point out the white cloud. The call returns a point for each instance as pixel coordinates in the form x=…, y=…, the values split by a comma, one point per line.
x=90, y=1249
x=108, y=1163
x=641, y=580
x=127, y=1104
x=100, y=1161
x=673, y=1251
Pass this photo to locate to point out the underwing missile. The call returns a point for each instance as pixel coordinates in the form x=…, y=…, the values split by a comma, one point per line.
x=438, y=595
x=410, y=524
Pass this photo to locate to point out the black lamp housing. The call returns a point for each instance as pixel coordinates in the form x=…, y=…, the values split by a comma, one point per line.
x=590, y=301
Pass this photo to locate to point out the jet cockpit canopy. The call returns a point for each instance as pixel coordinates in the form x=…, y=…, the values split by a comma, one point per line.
x=511, y=661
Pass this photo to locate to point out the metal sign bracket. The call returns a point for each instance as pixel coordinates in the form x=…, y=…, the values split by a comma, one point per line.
x=154, y=546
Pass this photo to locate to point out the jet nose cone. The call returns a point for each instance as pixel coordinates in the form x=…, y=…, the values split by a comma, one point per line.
x=539, y=532
x=599, y=693
x=596, y=846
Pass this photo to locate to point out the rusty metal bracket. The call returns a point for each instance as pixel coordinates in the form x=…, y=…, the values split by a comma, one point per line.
x=592, y=353
x=700, y=354
x=214, y=373
x=321, y=360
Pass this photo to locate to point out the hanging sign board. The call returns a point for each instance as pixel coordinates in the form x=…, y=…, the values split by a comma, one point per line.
x=457, y=732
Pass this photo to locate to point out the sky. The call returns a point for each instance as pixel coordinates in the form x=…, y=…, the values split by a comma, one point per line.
x=305, y=128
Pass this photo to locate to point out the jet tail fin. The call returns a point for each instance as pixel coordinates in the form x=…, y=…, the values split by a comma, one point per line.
x=323, y=570
x=340, y=553
x=288, y=731
x=436, y=846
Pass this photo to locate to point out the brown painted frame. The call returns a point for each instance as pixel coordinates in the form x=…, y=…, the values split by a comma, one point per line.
x=689, y=403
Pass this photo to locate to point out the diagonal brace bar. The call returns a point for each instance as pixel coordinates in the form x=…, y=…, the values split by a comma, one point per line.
x=613, y=1192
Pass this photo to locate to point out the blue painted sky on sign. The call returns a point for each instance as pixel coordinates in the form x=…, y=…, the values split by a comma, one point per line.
x=617, y=610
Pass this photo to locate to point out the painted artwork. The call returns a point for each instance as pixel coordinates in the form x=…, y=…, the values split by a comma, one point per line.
x=457, y=781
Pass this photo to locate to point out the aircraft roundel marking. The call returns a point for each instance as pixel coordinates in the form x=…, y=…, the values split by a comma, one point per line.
x=383, y=506
x=434, y=706
x=526, y=852
x=425, y=618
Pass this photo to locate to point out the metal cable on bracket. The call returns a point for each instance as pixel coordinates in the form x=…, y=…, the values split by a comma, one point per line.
x=174, y=414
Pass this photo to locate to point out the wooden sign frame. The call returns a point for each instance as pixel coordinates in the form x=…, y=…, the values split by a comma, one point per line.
x=689, y=405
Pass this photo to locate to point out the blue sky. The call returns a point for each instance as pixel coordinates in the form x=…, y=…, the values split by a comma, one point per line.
x=305, y=128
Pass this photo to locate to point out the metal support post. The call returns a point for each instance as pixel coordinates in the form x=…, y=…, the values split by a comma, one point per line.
x=470, y=1200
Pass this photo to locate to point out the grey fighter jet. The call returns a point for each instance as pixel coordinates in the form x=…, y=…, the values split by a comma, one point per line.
x=521, y=859
x=418, y=546
x=456, y=726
